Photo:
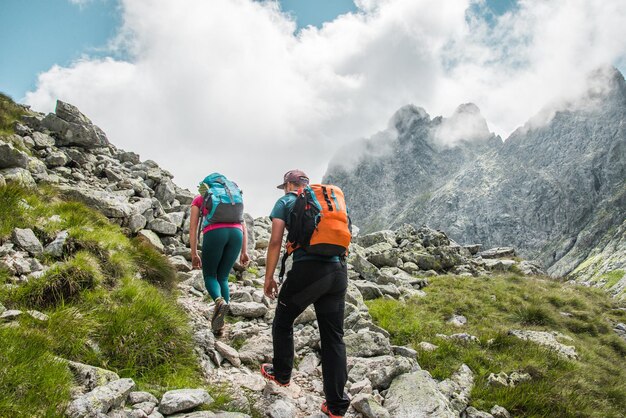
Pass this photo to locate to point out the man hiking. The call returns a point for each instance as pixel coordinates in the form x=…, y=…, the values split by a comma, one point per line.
x=316, y=279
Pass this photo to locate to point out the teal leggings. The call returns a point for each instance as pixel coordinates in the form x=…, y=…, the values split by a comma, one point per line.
x=220, y=248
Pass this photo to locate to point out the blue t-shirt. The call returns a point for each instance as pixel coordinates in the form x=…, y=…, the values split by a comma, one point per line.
x=281, y=210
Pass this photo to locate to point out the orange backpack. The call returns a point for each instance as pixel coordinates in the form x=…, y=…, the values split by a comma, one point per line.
x=318, y=223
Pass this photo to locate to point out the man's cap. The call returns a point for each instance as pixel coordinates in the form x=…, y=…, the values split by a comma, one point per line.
x=294, y=176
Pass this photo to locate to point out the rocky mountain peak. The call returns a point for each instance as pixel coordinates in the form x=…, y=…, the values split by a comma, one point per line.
x=408, y=118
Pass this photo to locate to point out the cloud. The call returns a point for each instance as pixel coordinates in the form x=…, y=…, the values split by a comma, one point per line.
x=230, y=86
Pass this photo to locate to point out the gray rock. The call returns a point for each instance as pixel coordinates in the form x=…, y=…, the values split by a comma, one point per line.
x=248, y=309
x=18, y=176
x=71, y=127
x=56, y=159
x=404, y=352
x=42, y=140
x=101, y=399
x=415, y=395
x=499, y=252
x=183, y=400
x=380, y=371
x=151, y=238
x=457, y=320
x=10, y=315
x=366, y=270
x=140, y=397
x=177, y=218
x=386, y=236
x=458, y=388
x=89, y=377
x=109, y=204
x=39, y=316
x=547, y=339
x=228, y=353
x=165, y=191
x=136, y=223
x=11, y=157
x=367, y=405
x=282, y=409
x=369, y=290
x=367, y=344
x=499, y=412
x=162, y=226
x=472, y=412
x=55, y=248
x=26, y=239
x=180, y=263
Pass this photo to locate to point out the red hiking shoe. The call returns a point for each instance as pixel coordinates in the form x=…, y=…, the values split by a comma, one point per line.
x=327, y=411
x=267, y=370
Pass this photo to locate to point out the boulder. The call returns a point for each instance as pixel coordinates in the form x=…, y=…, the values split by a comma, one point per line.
x=26, y=239
x=282, y=408
x=368, y=290
x=109, y=204
x=90, y=377
x=248, y=309
x=367, y=344
x=56, y=159
x=380, y=371
x=368, y=407
x=19, y=176
x=498, y=252
x=416, y=394
x=547, y=339
x=136, y=223
x=386, y=236
x=71, y=127
x=228, y=353
x=183, y=400
x=55, y=248
x=151, y=238
x=101, y=399
x=162, y=226
x=42, y=140
x=11, y=157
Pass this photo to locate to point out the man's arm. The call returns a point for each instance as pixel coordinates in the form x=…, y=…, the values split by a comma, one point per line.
x=273, y=254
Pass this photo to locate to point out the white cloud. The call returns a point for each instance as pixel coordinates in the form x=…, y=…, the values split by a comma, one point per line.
x=225, y=85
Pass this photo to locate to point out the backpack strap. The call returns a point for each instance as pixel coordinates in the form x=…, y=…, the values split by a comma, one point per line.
x=283, y=262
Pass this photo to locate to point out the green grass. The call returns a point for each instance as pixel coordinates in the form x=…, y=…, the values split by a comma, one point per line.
x=612, y=277
x=32, y=382
x=62, y=283
x=9, y=114
x=594, y=386
x=110, y=301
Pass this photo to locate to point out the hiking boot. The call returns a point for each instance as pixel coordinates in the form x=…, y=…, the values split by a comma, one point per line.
x=219, y=312
x=267, y=370
x=326, y=411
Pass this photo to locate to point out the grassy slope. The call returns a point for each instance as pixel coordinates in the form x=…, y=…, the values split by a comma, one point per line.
x=594, y=386
x=101, y=313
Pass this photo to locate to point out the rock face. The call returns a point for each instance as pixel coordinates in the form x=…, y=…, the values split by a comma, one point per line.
x=554, y=190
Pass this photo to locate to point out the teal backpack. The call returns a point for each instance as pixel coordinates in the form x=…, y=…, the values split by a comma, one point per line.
x=222, y=200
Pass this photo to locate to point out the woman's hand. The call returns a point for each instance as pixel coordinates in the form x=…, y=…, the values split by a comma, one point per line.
x=270, y=288
x=244, y=259
x=196, y=262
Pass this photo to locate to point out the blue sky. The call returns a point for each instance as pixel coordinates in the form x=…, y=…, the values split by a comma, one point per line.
x=36, y=34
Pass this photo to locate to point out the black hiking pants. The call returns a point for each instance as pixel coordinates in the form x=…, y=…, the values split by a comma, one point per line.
x=324, y=285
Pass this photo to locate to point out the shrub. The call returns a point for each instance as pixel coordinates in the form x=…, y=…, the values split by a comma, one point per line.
x=9, y=113
x=13, y=213
x=62, y=283
x=143, y=334
x=32, y=382
x=153, y=266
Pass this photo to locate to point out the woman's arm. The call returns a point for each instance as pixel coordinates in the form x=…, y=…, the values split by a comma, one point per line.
x=273, y=254
x=244, y=258
x=196, y=263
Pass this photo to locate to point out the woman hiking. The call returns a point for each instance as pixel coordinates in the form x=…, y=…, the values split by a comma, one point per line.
x=220, y=206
